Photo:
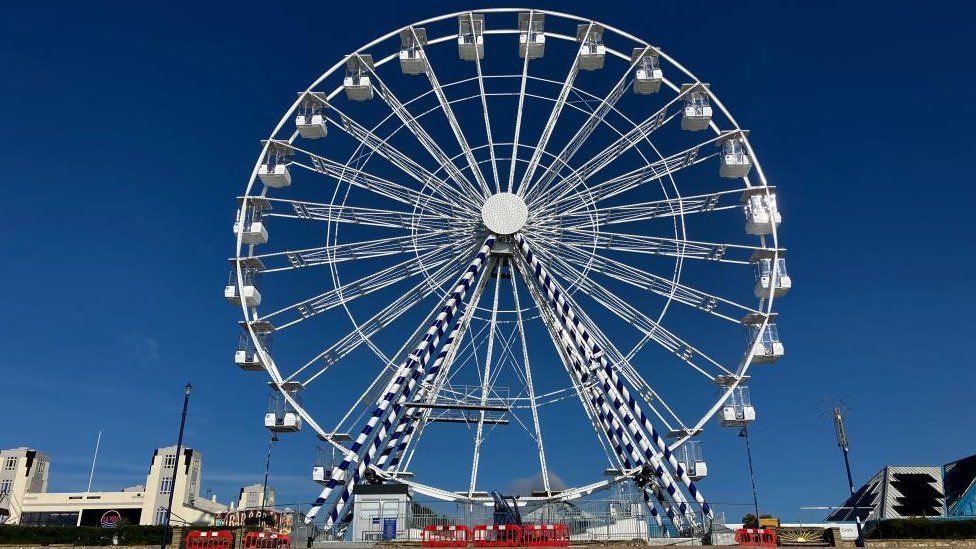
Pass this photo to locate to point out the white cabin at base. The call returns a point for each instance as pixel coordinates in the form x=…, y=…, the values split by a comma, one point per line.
x=692, y=459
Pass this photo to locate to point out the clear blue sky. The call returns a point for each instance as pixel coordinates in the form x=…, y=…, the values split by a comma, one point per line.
x=128, y=128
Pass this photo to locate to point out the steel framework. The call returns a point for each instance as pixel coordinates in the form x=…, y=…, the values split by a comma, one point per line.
x=576, y=224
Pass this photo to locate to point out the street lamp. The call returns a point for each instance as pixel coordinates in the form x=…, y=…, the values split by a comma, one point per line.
x=176, y=465
x=267, y=467
x=744, y=433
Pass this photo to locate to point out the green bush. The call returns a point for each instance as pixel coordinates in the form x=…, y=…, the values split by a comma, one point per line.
x=15, y=534
x=922, y=528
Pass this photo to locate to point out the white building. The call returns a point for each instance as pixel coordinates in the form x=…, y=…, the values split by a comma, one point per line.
x=23, y=493
x=252, y=497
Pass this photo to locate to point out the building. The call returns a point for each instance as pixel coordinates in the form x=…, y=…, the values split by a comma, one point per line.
x=252, y=497
x=22, y=471
x=959, y=481
x=27, y=501
x=915, y=491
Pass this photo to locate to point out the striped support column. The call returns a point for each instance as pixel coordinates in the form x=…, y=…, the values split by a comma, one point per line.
x=408, y=370
x=588, y=347
x=659, y=470
x=407, y=425
x=615, y=433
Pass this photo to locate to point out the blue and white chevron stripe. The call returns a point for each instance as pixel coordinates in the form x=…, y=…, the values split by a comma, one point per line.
x=408, y=370
x=588, y=347
x=618, y=438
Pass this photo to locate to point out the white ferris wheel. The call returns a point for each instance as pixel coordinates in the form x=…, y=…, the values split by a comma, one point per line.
x=508, y=225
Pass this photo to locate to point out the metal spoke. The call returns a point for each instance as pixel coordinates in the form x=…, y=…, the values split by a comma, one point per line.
x=564, y=203
x=351, y=251
x=365, y=285
x=557, y=109
x=518, y=115
x=655, y=209
x=357, y=215
x=452, y=119
x=595, y=118
x=659, y=245
x=372, y=326
x=485, y=386
x=531, y=388
x=374, y=183
x=484, y=110
x=382, y=147
x=615, y=150
x=424, y=138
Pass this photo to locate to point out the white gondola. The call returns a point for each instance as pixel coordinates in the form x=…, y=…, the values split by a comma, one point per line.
x=771, y=274
x=324, y=462
x=412, y=58
x=274, y=175
x=357, y=82
x=247, y=290
x=735, y=160
x=697, y=112
x=251, y=228
x=471, y=36
x=532, y=37
x=737, y=410
x=692, y=459
x=766, y=345
x=281, y=418
x=761, y=212
x=247, y=357
x=592, y=52
x=311, y=126
x=648, y=75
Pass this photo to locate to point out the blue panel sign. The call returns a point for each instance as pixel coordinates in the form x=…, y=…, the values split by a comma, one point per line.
x=389, y=529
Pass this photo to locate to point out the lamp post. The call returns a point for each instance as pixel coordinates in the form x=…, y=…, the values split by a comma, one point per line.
x=176, y=465
x=841, y=431
x=267, y=467
x=744, y=433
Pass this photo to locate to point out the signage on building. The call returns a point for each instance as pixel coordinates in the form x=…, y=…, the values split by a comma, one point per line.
x=110, y=519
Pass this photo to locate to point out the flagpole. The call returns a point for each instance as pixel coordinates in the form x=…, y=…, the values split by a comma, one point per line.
x=91, y=475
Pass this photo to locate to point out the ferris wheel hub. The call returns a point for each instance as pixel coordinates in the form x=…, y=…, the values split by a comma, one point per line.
x=504, y=213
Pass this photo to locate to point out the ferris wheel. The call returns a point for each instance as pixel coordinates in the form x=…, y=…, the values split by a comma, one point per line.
x=490, y=223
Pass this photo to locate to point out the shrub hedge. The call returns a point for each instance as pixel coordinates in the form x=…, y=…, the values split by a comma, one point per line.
x=922, y=528
x=15, y=534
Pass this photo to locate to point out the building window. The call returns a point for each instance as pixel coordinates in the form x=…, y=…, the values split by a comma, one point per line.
x=165, y=485
x=49, y=519
x=169, y=461
x=161, y=515
x=9, y=464
x=6, y=485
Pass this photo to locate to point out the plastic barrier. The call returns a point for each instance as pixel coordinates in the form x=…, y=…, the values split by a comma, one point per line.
x=497, y=535
x=445, y=536
x=266, y=540
x=217, y=539
x=756, y=537
x=545, y=535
